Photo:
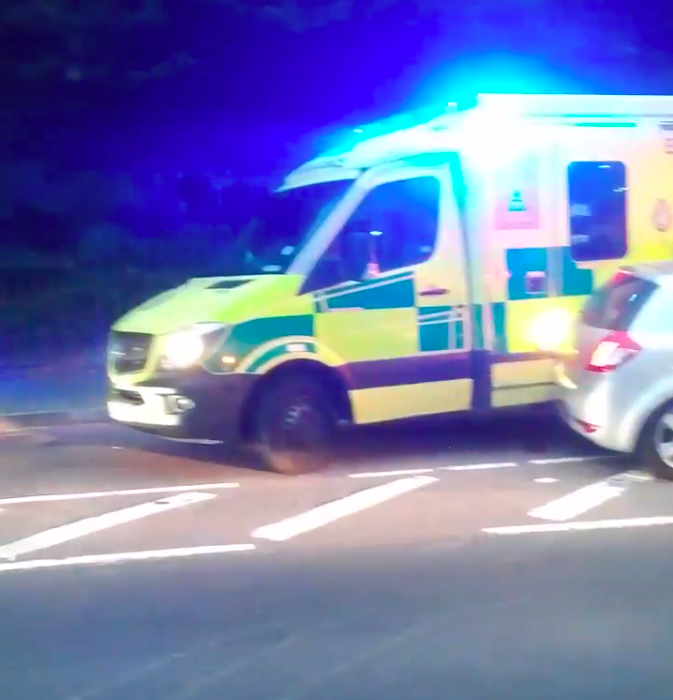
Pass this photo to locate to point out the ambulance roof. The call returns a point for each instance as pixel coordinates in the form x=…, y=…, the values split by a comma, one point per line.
x=443, y=130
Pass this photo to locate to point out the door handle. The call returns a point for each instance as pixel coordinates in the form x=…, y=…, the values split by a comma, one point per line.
x=535, y=282
x=434, y=292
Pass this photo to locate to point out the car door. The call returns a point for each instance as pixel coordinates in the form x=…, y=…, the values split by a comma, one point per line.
x=397, y=320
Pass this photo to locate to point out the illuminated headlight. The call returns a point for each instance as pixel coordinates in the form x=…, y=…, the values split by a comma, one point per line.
x=187, y=346
x=551, y=331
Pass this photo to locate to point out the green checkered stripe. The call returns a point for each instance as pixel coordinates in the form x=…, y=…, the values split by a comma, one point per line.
x=556, y=263
x=440, y=328
x=560, y=269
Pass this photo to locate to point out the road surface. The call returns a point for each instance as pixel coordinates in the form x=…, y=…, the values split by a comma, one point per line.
x=495, y=560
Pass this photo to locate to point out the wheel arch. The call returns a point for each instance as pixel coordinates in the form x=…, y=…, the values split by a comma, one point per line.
x=641, y=415
x=326, y=376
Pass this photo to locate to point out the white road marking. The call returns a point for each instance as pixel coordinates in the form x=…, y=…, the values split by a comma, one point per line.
x=394, y=472
x=580, y=525
x=633, y=476
x=563, y=460
x=478, y=466
x=577, y=502
x=190, y=441
x=474, y=467
x=329, y=512
x=43, y=498
x=126, y=556
x=545, y=480
x=81, y=528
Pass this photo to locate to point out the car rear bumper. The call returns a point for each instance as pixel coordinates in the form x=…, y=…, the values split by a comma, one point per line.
x=594, y=412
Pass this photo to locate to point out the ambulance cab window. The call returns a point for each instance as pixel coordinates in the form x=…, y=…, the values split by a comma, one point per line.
x=399, y=223
x=394, y=226
x=597, y=210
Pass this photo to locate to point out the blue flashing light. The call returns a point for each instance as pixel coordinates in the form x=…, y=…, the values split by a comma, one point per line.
x=397, y=122
x=376, y=233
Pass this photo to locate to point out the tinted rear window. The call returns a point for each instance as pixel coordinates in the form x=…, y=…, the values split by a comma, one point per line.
x=616, y=305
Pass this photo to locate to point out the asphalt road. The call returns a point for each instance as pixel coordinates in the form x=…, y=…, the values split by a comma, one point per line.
x=481, y=560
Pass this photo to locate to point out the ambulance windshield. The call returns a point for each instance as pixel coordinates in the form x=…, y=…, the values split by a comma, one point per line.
x=285, y=222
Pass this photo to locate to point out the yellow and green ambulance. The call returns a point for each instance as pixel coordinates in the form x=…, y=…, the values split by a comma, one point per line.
x=431, y=265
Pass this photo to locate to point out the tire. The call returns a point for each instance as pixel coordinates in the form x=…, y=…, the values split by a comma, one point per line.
x=295, y=425
x=658, y=432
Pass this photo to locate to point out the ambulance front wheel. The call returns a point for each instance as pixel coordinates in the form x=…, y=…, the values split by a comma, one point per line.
x=295, y=425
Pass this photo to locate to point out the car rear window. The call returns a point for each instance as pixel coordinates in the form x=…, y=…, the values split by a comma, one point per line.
x=616, y=304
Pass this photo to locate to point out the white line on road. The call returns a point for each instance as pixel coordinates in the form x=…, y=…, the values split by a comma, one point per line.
x=563, y=460
x=126, y=556
x=43, y=498
x=410, y=472
x=577, y=502
x=394, y=472
x=475, y=467
x=81, y=528
x=580, y=525
x=329, y=512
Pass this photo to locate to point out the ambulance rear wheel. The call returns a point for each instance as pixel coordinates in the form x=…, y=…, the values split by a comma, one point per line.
x=295, y=425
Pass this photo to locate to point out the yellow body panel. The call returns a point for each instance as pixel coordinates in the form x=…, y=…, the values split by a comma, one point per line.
x=526, y=372
x=369, y=334
x=398, y=402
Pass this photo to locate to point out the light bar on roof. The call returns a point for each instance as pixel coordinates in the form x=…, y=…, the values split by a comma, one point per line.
x=397, y=122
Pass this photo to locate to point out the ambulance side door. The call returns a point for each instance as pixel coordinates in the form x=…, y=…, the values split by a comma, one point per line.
x=518, y=234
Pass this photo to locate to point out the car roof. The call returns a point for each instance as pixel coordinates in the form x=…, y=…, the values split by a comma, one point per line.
x=653, y=271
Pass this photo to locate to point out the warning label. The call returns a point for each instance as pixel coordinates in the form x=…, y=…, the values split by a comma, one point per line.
x=666, y=130
x=516, y=206
x=662, y=216
x=516, y=202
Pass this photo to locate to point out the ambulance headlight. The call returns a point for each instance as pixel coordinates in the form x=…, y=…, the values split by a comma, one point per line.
x=551, y=331
x=187, y=346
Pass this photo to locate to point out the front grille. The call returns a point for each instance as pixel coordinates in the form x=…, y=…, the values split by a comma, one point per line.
x=129, y=352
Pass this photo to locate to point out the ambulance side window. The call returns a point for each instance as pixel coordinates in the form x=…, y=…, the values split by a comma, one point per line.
x=597, y=210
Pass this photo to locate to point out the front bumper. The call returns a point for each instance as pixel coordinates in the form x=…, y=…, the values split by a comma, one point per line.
x=196, y=406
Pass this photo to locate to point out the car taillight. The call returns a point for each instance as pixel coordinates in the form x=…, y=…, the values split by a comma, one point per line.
x=612, y=352
x=621, y=275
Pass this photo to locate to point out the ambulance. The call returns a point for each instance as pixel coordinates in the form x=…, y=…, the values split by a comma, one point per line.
x=430, y=264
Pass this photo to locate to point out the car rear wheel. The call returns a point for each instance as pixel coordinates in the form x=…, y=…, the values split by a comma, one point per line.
x=656, y=445
x=295, y=425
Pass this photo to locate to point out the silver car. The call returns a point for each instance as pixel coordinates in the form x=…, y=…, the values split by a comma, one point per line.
x=617, y=387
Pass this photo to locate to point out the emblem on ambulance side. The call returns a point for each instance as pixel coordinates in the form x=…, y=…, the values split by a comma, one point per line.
x=666, y=130
x=662, y=215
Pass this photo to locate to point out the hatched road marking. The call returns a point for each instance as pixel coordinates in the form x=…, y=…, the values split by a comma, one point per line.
x=81, y=528
x=580, y=501
x=117, y=558
x=44, y=498
x=477, y=466
x=616, y=524
x=335, y=510
x=577, y=502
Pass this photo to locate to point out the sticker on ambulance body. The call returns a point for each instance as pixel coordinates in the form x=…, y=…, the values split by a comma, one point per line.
x=666, y=129
x=662, y=215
